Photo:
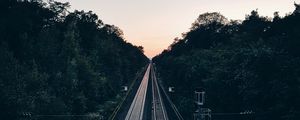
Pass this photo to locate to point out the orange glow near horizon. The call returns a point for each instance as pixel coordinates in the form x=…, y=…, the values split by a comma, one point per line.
x=154, y=24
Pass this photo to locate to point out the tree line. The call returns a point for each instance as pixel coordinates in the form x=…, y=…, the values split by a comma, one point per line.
x=57, y=62
x=251, y=64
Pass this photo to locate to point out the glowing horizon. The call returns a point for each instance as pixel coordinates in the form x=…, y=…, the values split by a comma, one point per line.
x=154, y=24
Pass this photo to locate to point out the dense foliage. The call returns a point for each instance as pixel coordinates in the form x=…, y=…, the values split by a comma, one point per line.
x=56, y=62
x=249, y=65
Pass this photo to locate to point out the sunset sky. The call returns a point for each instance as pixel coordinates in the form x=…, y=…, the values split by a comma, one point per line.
x=154, y=24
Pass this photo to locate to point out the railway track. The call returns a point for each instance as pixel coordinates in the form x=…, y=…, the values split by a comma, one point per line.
x=136, y=109
x=158, y=109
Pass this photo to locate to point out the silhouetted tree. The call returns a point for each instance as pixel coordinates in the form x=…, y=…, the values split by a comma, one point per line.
x=248, y=65
x=56, y=62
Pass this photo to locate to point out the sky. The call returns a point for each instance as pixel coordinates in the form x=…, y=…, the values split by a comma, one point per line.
x=154, y=24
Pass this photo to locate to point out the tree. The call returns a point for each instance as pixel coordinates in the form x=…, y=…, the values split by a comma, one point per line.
x=297, y=10
x=248, y=65
x=56, y=62
x=207, y=19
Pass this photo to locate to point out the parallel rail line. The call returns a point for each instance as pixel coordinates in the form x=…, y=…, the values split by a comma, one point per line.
x=159, y=111
x=115, y=112
x=136, y=109
x=173, y=106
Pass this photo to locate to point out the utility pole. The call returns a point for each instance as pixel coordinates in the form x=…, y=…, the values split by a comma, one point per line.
x=201, y=113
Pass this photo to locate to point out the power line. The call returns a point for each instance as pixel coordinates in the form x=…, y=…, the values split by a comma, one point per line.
x=178, y=115
x=237, y=113
x=68, y=116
